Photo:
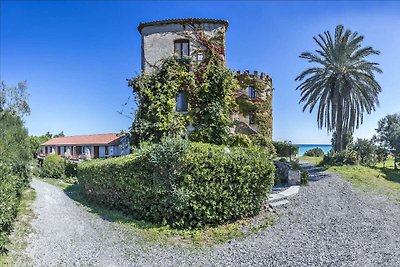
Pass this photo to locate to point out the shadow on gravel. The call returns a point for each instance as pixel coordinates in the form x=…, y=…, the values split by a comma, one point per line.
x=75, y=193
x=316, y=173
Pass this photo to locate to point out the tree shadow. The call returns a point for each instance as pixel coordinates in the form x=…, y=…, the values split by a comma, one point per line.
x=316, y=172
x=75, y=192
x=389, y=174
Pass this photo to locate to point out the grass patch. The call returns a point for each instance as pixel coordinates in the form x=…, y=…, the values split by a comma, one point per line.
x=313, y=160
x=22, y=229
x=155, y=233
x=378, y=179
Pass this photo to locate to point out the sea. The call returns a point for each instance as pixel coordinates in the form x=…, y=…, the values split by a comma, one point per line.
x=304, y=147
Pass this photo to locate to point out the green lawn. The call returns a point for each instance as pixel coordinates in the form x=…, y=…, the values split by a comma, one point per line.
x=378, y=179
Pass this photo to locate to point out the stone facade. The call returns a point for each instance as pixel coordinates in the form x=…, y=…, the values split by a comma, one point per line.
x=182, y=38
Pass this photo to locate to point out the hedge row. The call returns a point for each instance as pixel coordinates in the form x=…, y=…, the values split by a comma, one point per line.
x=14, y=171
x=182, y=184
x=283, y=149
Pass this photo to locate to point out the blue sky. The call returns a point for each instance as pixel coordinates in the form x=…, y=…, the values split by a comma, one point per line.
x=76, y=56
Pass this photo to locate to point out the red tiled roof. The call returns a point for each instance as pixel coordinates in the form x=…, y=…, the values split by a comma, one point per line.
x=90, y=139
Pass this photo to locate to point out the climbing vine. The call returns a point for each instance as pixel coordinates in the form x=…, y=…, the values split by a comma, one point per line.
x=211, y=90
x=261, y=105
x=208, y=85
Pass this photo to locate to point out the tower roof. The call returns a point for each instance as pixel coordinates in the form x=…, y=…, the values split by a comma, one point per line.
x=186, y=20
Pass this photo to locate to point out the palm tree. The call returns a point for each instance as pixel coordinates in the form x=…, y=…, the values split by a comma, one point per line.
x=343, y=84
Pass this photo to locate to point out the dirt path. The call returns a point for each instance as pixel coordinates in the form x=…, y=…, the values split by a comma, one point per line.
x=327, y=224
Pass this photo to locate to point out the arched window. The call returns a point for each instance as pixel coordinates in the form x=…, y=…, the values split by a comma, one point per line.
x=182, y=103
x=181, y=48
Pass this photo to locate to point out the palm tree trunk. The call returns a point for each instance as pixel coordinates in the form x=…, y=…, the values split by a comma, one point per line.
x=339, y=127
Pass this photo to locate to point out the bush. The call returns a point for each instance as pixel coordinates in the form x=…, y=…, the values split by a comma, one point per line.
x=53, y=167
x=71, y=169
x=9, y=199
x=314, y=152
x=304, y=177
x=239, y=139
x=283, y=149
x=182, y=184
x=345, y=157
x=14, y=171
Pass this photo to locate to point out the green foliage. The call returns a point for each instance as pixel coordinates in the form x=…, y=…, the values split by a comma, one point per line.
x=246, y=106
x=305, y=176
x=365, y=150
x=342, y=82
x=388, y=135
x=239, y=139
x=345, y=157
x=71, y=169
x=10, y=189
x=314, y=152
x=53, y=167
x=283, y=149
x=14, y=156
x=347, y=139
x=14, y=100
x=212, y=103
x=182, y=184
x=36, y=141
x=210, y=94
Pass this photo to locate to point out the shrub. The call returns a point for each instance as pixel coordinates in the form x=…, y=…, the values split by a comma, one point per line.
x=182, y=184
x=283, y=149
x=9, y=200
x=71, y=168
x=14, y=171
x=53, y=167
x=345, y=157
x=304, y=177
x=239, y=139
x=314, y=152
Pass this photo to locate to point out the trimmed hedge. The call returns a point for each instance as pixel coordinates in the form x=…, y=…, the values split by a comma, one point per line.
x=182, y=184
x=53, y=167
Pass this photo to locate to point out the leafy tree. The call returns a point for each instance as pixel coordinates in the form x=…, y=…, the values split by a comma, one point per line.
x=365, y=150
x=382, y=154
x=343, y=84
x=61, y=134
x=14, y=100
x=388, y=135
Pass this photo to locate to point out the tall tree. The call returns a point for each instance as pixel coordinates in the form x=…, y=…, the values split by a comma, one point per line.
x=14, y=99
x=388, y=135
x=342, y=84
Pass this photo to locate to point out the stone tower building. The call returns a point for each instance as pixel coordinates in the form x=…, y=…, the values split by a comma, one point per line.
x=184, y=39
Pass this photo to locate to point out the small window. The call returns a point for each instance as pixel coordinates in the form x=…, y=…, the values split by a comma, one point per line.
x=181, y=48
x=252, y=92
x=106, y=150
x=182, y=103
x=200, y=57
x=251, y=119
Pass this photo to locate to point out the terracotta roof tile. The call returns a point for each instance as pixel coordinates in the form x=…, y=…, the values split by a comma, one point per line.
x=90, y=139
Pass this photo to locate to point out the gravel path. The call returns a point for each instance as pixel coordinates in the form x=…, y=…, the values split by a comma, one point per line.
x=327, y=224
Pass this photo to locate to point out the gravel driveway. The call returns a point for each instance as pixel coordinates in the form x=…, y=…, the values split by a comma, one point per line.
x=327, y=224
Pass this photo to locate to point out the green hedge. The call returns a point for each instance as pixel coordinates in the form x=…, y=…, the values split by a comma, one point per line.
x=14, y=171
x=182, y=184
x=53, y=167
x=9, y=200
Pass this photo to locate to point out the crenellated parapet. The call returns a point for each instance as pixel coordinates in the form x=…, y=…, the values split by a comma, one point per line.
x=254, y=100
